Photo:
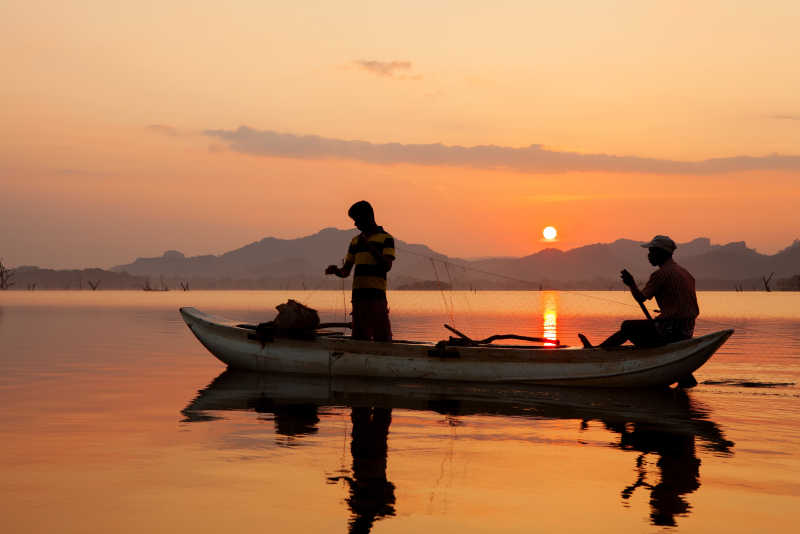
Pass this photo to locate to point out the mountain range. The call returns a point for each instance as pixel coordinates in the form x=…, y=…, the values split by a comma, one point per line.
x=289, y=263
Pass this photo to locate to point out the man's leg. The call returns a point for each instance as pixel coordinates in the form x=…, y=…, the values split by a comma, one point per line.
x=640, y=332
x=644, y=334
x=360, y=320
x=371, y=320
x=381, y=326
x=615, y=340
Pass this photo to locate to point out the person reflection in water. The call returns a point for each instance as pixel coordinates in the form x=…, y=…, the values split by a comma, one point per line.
x=678, y=464
x=371, y=494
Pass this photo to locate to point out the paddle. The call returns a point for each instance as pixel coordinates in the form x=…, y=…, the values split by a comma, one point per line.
x=645, y=310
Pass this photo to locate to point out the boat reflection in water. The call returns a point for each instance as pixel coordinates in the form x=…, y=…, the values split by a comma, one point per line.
x=663, y=425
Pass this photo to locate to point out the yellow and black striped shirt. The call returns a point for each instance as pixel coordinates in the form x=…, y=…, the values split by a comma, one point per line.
x=369, y=276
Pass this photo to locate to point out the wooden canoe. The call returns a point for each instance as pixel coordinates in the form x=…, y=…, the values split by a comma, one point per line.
x=563, y=366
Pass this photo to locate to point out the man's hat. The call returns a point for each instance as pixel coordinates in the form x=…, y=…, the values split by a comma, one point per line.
x=663, y=242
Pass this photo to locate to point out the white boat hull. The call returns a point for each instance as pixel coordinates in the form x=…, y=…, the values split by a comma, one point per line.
x=341, y=356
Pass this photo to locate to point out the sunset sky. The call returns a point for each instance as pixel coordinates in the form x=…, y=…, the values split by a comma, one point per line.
x=130, y=128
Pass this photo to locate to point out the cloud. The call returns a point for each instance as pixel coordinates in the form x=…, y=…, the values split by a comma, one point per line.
x=387, y=69
x=532, y=159
x=162, y=129
x=786, y=117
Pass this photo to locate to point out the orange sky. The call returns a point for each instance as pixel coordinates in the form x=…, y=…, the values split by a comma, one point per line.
x=87, y=180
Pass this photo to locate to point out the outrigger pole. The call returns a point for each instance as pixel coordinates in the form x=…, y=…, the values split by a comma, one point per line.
x=469, y=341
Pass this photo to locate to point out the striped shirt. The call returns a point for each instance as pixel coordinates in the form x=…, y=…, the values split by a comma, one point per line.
x=369, y=276
x=673, y=288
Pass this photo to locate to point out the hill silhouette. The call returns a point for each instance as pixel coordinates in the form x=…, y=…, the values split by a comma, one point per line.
x=287, y=263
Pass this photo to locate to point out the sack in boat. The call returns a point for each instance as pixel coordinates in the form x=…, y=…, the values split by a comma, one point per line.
x=296, y=316
x=293, y=320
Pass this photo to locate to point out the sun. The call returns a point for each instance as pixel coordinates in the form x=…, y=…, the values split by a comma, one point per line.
x=550, y=233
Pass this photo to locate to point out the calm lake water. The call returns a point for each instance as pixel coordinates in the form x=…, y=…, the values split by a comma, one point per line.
x=115, y=419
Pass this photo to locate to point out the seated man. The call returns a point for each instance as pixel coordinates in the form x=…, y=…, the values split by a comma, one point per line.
x=673, y=288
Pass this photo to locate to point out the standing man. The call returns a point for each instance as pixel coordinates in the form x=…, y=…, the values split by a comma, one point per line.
x=673, y=288
x=372, y=253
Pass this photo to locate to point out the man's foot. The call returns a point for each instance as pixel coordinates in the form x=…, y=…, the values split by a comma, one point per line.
x=586, y=344
x=687, y=382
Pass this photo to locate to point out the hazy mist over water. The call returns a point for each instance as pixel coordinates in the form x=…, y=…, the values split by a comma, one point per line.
x=116, y=419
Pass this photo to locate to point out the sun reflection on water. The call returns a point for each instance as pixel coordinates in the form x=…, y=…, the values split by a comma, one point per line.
x=550, y=317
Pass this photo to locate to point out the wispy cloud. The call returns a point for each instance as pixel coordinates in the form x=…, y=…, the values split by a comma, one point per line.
x=163, y=129
x=533, y=158
x=786, y=117
x=399, y=70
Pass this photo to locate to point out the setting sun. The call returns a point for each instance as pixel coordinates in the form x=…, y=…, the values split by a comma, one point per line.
x=550, y=233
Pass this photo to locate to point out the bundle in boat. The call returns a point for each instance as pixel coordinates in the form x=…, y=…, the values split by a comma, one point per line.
x=294, y=320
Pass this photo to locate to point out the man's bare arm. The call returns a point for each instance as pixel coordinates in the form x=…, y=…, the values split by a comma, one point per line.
x=341, y=272
x=627, y=279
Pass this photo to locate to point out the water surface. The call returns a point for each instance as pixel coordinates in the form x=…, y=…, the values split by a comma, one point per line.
x=116, y=419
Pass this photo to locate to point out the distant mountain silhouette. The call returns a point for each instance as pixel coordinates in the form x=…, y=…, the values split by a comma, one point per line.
x=713, y=266
x=273, y=262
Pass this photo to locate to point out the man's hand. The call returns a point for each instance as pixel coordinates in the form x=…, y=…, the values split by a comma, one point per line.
x=332, y=269
x=627, y=278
